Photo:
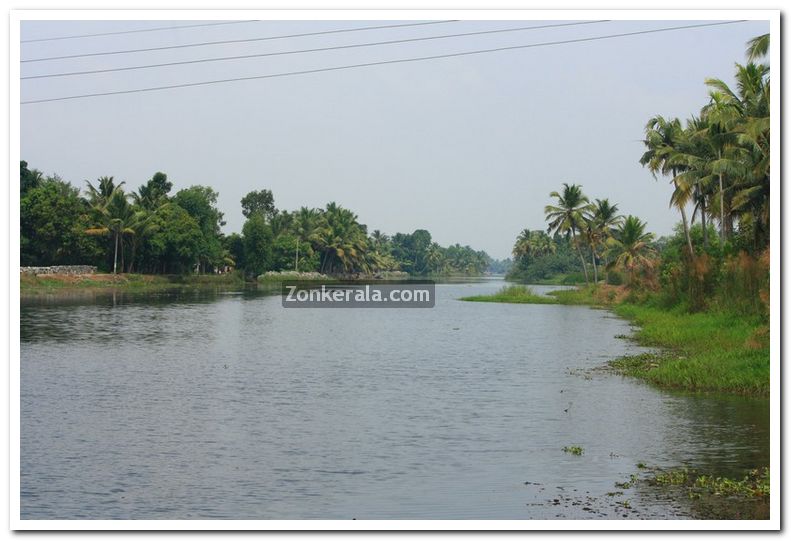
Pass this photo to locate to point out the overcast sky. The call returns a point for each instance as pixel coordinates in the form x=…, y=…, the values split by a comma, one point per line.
x=468, y=147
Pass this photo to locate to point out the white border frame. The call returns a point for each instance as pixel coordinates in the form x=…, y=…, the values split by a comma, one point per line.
x=16, y=16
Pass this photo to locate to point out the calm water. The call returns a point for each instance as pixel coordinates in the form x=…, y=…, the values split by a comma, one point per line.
x=225, y=405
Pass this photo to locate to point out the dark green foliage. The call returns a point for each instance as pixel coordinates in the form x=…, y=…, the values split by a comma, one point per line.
x=201, y=203
x=53, y=223
x=233, y=245
x=261, y=201
x=155, y=192
x=28, y=179
x=532, y=268
x=417, y=254
x=175, y=244
x=257, y=236
x=284, y=254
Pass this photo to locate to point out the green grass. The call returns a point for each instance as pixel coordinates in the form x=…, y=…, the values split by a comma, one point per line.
x=581, y=295
x=710, y=351
x=517, y=294
x=707, y=351
x=32, y=285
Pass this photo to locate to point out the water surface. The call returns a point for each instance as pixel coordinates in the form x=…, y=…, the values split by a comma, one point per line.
x=200, y=404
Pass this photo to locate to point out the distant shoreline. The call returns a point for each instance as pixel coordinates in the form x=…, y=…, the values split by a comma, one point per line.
x=53, y=284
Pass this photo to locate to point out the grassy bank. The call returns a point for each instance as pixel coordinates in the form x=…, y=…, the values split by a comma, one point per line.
x=53, y=283
x=706, y=351
x=516, y=294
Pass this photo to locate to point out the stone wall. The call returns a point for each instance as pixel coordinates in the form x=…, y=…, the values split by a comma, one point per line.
x=59, y=269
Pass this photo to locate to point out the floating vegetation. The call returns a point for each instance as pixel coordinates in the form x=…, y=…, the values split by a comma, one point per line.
x=754, y=485
x=627, y=484
x=573, y=449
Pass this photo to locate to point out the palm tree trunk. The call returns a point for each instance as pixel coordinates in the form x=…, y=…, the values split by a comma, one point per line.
x=115, y=255
x=686, y=231
x=595, y=270
x=684, y=221
x=582, y=259
x=722, y=205
x=722, y=212
x=703, y=222
x=132, y=256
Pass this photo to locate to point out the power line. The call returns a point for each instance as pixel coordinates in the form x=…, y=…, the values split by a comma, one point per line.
x=352, y=46
x=385, y=62
x=224, y=42
x=135, y=31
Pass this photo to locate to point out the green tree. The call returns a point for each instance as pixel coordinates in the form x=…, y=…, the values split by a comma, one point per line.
x=342, y=241
x=201, y=203
x=662, y=139
x=258, y=240
x=567, y=217
x=758, y=47
x=601, y=223
x=28, y=178
x=260, y=201
x=233, y=244
x=100, y=195
x=306, y=226
x=53, y=220
x=153, y=193
x=744, y=113
x=631, y=246
x=113, y=217
x=174, y=243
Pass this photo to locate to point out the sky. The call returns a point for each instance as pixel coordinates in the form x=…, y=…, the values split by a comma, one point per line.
x=468, y=147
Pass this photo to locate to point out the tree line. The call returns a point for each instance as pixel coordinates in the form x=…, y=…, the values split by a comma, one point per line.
x=590, y=236
x=717, y=163
x=150, y=230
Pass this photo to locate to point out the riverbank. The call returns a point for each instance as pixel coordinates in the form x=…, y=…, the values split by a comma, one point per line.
x=703, y=352
x=54, y=283
x=515, y=294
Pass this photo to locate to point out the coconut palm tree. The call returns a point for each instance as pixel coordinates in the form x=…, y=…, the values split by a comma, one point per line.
x=141, y=224
x=342, y=240
x=567, y=217
x=631, y=244
x=532, y=245
x=758, y=47
x=114, y=218
x=378, y=240
x=306, y=225
x=662, y=137
x=721, y=118
x=101, y=194
x=694, y=159
x=541, y=244
x=522, y=245
x=601, y=224
x=746, y=117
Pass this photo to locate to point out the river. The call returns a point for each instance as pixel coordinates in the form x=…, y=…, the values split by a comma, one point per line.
x=225, y=405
